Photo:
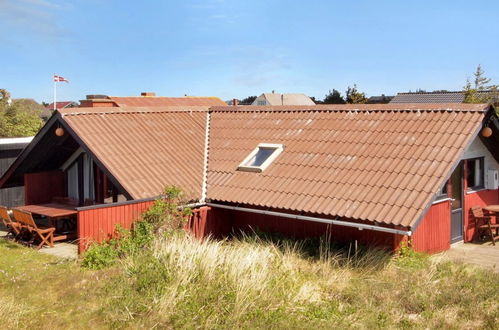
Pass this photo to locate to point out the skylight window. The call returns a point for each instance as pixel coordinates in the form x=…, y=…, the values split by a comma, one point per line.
x=261, y=157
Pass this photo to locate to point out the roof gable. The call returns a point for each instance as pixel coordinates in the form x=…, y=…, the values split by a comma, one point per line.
x=145, y=150
x=287, y=99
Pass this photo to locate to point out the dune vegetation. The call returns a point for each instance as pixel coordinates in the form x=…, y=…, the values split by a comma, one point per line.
x=160, y=277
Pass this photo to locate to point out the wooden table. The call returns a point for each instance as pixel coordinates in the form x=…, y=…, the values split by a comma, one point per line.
x=53, y=211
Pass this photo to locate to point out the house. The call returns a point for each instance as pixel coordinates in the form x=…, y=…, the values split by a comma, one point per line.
x=58, y=106
x=379, y=99
x=61, y=105
x=438, y=96
x=283, y=99
x=10, y=148
x=381, y=174
x=149, y=99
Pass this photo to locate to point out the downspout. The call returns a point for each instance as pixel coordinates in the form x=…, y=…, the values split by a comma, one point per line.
x=336, y=222
x=205, y=160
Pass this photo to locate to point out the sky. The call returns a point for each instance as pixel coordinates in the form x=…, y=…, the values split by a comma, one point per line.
x=233, y=49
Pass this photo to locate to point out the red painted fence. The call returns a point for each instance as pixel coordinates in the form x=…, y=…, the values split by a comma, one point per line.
x=98, y=223
x=41, y=187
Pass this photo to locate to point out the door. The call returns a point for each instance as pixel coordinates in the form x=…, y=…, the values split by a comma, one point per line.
x=456, y=221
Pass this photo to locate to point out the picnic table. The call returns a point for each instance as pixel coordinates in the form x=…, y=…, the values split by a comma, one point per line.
x=52, y=211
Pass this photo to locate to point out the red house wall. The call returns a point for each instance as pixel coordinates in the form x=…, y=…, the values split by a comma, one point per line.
x=98, y=224
x=479, y=198
x=219, y=223
x=433, y=233
x=41, y=187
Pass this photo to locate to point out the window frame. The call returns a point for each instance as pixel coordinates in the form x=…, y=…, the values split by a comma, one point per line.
x=482, y=176
x=278, y=148
x=441, y=196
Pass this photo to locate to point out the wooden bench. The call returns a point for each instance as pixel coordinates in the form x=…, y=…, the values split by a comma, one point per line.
x=44, y=234
x=483, y=223
x=14, y=228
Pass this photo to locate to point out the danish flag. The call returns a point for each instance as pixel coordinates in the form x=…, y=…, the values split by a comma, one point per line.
x=58, y=78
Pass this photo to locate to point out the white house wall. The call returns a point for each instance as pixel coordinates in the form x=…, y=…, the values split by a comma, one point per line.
x=478, y=149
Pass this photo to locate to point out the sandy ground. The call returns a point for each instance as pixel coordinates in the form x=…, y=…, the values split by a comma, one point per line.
x=483, y=255
x=60, y=249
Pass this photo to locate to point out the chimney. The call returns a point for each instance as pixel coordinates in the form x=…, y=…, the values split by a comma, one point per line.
x=147, y=94
x=235, y=102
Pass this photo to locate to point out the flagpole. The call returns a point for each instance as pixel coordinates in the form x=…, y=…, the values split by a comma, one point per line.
x=55, y=93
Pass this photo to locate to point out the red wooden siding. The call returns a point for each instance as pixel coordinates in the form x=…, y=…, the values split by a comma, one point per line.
x=98, y=224
x=479, y=198
x=221, y=223
x=433, y=233
x=41, y=187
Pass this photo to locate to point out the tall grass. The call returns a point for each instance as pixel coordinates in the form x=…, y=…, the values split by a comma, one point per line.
x=254, y=283
x=177, y=282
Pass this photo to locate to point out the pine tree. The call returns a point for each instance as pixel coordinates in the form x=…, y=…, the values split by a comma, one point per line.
x=354, y=96
x=471, y=93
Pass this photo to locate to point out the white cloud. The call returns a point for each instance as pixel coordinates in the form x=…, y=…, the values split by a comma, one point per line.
x=36, y=17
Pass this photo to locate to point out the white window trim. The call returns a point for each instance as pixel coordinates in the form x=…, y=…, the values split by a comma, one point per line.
x=278, y=149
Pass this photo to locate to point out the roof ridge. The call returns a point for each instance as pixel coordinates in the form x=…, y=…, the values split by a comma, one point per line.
x=442, y=92
x=123, y=111
x=393, y=107
x=169, y=97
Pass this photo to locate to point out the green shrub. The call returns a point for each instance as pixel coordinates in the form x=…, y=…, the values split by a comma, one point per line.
x=99, y=256
x=166, y=214
x=163, y=216
x=408, y=258
x=127, y=242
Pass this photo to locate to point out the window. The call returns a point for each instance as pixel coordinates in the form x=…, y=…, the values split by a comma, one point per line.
x=261, y=102
x=475, y=176
x=261, y=157
x=444, y=192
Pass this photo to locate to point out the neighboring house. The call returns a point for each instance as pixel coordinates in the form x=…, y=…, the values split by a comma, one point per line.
x=10, y=148
x=381, y=99
x=436, y=97
x=283, y=99
x=148, y=99
x=49, y=109
x=381, y=174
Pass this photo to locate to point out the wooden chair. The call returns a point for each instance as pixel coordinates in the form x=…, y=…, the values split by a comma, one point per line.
x=45, y=234
x=483, y=223
x=14, y=228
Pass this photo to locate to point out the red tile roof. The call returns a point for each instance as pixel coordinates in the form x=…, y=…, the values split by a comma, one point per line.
x=155, y=101
x=381, y=163
x=59, y=105
x=145, y=150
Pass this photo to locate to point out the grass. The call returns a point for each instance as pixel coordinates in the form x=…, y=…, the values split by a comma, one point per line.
x=245, y=283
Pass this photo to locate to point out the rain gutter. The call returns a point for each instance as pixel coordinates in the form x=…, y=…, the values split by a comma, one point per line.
x=359, y=226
